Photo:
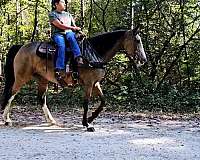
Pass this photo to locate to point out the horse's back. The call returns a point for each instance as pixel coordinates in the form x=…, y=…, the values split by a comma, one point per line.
x=29, y=48
x=28, y=64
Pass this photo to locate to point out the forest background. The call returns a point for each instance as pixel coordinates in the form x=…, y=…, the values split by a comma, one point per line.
x=170, y=31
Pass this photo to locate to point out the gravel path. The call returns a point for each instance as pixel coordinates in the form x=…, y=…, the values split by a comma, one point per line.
x=113, y=140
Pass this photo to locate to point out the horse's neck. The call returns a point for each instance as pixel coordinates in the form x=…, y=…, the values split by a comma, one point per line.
x=112, y=52
x=107, y=45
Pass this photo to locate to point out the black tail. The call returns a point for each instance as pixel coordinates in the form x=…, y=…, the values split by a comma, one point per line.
x=9, y=75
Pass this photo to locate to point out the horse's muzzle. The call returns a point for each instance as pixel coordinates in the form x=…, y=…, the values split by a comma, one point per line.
x=139, y=61
x=142, y=60
x=141, y=56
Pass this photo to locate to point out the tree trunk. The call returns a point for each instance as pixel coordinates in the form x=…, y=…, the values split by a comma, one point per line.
x=35, y=30
x=17, y=23
x=182, y=26
x=82, y=13
x=66, y=2
x=90, y=18
x=132, y=14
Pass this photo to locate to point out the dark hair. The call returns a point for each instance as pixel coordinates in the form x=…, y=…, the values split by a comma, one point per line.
x=53, y=3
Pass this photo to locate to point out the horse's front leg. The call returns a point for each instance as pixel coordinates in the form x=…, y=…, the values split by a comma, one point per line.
x=88, y=93
x=42, y=89
x=98, y=92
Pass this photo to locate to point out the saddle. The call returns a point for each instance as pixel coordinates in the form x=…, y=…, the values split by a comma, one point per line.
x=46, y=50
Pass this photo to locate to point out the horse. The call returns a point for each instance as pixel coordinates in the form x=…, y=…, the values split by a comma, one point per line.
x=23, y=64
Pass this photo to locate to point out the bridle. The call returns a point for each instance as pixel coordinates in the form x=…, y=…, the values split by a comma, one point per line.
x=132, y=58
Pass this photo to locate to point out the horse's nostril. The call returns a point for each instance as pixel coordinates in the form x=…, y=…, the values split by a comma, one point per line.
x=145, y=60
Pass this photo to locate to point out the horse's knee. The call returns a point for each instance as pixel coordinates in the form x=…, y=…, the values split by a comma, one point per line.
x=41, y=98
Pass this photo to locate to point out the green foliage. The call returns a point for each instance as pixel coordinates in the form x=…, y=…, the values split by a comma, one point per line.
x=17, y=22
x=131, y=96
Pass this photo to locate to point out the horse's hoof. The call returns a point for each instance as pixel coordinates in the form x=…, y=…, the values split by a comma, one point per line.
x=57, y=124
x=8, y=124
x=53, y=123
x=90, y=129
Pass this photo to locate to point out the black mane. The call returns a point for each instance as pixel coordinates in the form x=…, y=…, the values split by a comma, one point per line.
x=104, y=42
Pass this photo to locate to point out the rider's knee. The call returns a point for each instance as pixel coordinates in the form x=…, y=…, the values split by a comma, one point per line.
x=70, y=35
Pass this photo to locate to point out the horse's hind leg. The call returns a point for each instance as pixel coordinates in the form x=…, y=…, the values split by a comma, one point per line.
x=42, y=89
x=98, y=91
x=7, y=103
x=6, y=113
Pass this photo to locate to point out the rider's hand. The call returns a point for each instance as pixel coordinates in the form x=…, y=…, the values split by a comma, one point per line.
x=82, y=34
x=76, y=28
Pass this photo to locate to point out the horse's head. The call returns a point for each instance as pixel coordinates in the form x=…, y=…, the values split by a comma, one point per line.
x=134, y=47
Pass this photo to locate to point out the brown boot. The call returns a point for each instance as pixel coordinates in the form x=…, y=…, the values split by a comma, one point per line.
x=60, y=76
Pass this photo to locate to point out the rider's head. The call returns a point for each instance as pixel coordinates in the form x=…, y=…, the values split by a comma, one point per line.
x=59, y=4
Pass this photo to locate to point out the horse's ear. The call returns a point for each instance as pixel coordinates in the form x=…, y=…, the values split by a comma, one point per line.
x=136, y=30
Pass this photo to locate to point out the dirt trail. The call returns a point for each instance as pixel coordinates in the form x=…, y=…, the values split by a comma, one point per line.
x=114, y=139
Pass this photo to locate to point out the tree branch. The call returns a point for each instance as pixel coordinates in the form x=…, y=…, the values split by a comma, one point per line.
x=179, y=51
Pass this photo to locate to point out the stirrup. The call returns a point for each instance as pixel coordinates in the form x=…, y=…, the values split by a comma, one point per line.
x=60, y=75
x=75, y=75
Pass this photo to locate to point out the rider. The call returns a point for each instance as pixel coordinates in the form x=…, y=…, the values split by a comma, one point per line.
x=63, y=25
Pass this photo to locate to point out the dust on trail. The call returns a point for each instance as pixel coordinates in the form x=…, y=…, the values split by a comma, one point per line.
x=115, y=138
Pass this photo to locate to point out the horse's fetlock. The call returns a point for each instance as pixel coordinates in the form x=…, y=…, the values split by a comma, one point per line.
x=9, y=123
x=85, y=123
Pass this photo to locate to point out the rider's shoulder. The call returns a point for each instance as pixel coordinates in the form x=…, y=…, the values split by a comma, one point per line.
x=65, y=12
x=52, y=13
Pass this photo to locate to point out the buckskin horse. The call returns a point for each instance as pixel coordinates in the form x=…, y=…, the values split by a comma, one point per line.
x=22, y=64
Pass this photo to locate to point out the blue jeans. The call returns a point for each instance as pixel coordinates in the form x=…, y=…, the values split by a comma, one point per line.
x=59, y=39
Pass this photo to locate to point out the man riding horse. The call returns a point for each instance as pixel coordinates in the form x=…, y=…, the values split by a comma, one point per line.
x=23, y=63
x=63, y=25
